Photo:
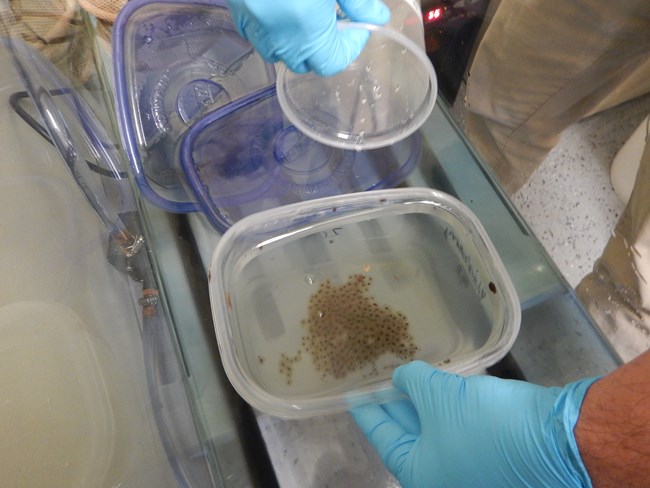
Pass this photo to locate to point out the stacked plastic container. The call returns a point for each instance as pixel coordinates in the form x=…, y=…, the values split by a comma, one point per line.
x=199, y=117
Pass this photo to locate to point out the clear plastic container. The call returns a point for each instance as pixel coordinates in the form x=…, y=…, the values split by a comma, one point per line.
x=317, y=302
x=44, y=345
x=201, y=124
x=94, y=391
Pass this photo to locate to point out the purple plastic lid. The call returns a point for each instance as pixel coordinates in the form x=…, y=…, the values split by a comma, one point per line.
x=246, y=157
x=174, y=61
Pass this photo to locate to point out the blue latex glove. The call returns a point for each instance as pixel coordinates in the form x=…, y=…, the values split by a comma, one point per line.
x=477, y=432
x=303, y=33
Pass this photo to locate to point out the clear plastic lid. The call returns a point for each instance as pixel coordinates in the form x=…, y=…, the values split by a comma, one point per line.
x=174, y=61
x=67, y=121
x=314, y=304
x=246, y=157
x=381, y=98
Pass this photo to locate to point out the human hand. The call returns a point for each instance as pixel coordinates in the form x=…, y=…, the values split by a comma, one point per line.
x=303, y=33
x=478, y=431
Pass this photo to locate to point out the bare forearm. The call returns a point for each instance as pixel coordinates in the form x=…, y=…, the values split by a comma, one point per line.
x=613, y=431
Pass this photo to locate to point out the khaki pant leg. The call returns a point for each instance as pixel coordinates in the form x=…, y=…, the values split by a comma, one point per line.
x=541, y=66
x=55, y=28
x=617, y=292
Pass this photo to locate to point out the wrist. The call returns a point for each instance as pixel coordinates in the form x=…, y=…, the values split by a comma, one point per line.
x=566, y=413
x=613, y=431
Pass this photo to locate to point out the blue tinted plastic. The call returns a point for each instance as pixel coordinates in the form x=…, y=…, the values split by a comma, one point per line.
x=246, y=157
x=174, y=61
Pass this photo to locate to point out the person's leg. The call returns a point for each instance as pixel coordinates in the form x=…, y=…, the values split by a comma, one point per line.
x=55, y=28
x=617, y=292
x=541, y=66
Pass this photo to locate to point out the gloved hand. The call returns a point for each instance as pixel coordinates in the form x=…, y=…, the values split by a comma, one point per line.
x=303, y=33
x=477, y=432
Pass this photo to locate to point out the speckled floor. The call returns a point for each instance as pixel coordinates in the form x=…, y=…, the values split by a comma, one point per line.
x=569, y=202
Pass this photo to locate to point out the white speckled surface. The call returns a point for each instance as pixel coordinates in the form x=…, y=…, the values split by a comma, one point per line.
x=569, y=202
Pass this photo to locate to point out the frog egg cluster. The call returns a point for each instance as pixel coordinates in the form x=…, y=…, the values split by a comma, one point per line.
x=347, y=330
x=286, y=365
